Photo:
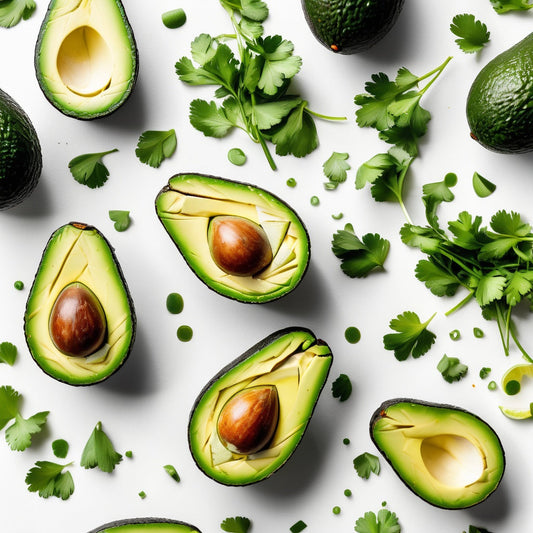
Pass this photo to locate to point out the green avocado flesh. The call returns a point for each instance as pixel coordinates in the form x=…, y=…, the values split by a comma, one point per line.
x=498, y=108
x=86, y=57
x=146, y=525
x=351, y=26
x=189, y=203
x=20, y=154
x=447, y=456
x=297, y=365
x=79, y=255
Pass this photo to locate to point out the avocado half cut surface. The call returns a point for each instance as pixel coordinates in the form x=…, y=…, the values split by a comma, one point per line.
x=191, y=208
x=446, y=455
x=146, y=525
x=80, y=319
x=291, y=361
x=20, y=154
x=86, y=58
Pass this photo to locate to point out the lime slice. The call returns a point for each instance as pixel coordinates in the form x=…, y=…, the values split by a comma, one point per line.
x=512, y=379
x=517, y=414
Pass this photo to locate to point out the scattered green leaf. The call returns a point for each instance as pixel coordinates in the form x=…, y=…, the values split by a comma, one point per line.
x=49, y=479
x=335, y=169
x=484, y=372
x=88, y=169
x=60, y=448
x=365, y=464
x=13, y=11
x=237, y=524
x=121, y=219
x=385, y=522
x=174, y=303
x=237, y=156
x=297, y=527
x=315, y=201
x=142, y=494
x=99, y=451
x=8, y=353
x=154, y=146
x=19, y=285
x=505, y=6
x=184, y=333
x=172, y=472
x=352, y=335
x=475, y=529
x=174, y=18
x=473, y=34
x=451, y=369
x=341, y=388
x=482, y=186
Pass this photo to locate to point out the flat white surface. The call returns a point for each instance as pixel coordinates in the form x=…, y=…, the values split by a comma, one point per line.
x=145, y=406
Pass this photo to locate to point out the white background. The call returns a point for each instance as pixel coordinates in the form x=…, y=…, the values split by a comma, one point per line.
x=145, y=406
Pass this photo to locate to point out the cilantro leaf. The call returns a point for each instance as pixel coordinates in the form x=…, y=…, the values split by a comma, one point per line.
x=19, y=434
x=482, y=186
x=438, y=280
x=335, y=169
x=13, y=11
x=385, y=522
x=9, y=404
x=99, y=451
x=155, y=146
x=359, y=257
x=60, y=448
x=89, y=170
x=341, y=388
x=209, y=118
x=475, y=529
x=365, y=464
x=8, y=353
x=48, y=479
x=237, y=524
x=473, y=34
x=504, y=6
x=121, y=219
x=412, y=337
x=451, y=369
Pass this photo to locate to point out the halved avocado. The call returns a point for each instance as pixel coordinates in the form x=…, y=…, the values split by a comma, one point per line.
x=291, y=361
x=191, y=204
x=146, y=525
x=79, y=320
x=444, y=454
x=86, y=58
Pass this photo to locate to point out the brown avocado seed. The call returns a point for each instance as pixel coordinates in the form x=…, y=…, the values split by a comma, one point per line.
x=238, y=245
x=248, y=420
x=77, y=323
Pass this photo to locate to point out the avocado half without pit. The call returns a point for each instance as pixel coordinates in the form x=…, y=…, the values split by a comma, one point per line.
x=79, y=319
x=249, y=419
x=448, y=456
x=86, y=59
x=241, y=241
x=146, y=525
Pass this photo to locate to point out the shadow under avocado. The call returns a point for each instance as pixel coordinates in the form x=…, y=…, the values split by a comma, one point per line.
x=496, y=508
x=37, y=205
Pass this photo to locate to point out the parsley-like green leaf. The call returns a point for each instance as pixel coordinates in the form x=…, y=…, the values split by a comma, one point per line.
x=490, y=287
x=60, y=448
x=335, y=169
x=13, y=11
x=439, y=281
x=365, y=464
x=341, y=388
x=99, y=451
x=412, y=337
x=89, y=170
x=121, y=219
x=155, y=146
x=504, y=6
x=484, y=372
x=19, y=434
x=473, y=34
x=385, y=522
x=451, y=369
x=9, y=404
x=482, y=186
x=209, y=118
x=48, y=479
x=8, y=353
x=237, y=524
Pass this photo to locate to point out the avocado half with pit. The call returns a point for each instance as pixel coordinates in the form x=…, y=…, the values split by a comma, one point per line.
x=448, y=456
x=86, y=59
x=241, y=241
x=146, y=525
x=250, y=417
x=79, y=320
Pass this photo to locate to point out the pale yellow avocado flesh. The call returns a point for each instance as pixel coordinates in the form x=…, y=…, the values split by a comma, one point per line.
x=150, y=527
x=76, y=255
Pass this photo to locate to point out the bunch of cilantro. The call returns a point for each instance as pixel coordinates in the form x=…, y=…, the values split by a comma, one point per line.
x=252, y=85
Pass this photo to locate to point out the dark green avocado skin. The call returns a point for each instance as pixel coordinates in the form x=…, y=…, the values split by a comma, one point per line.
x=140, y=524
x=351, y=26
x=499, y=106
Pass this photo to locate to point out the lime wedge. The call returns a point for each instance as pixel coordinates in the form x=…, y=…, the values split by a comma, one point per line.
x=512, y=379
x=517, y=414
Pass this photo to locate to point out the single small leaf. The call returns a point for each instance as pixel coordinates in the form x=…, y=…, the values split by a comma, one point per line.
x=8, y=353
x=121, y=219
x=99, y=451
x=172, y=472
x=60, y=448
x=341, y=388
x=365, y=464
x=88, y=169
x=451, y=369
x=236, y=156
x=154, y=146
x=174, y=18
x=237, y=524
x=473, y=34
x=482, y=186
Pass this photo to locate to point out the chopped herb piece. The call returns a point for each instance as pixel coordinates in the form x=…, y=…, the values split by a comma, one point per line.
x=60, y=448
x=174, y=18
x=174, y=303
x=347, y=492
x=335, y=169
x=8, y=353
x=291, y=182
x=478, y=333
x=336, y=510
x=352, y=334
x=451, y=369
x=342, y=388
x=298, y=526
x=473, y=34
x=142, y=495
x=492, y=385
x=315, y=200
x=171, y=471
x=385, y=522
x=346, y=441
x=13, y=11
x=504, y=6
x=365, y=464
x=154, y=147
x=121, y=219
x=484, y=372
x=237, y=524
x=383, y=504
x=338, y=216
x=19, y=285
x=512, y=387
x=482, y=186
x=455, y=335
x=475, y=529
x=237, y=157
x=49, y=479
x=89, y=170
x=128, y=454
x=99, y=451
x=184, y=333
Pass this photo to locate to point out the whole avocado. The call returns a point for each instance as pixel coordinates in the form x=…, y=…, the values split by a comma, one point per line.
x=351, y=26
x=499, y=106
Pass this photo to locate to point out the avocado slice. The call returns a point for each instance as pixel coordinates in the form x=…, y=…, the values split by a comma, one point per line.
x=350, y=26
x=296, y=364
x=146, y=525
x=20, y=154
x=79, y=257
x=498, y=107
x=191, y=204
x=86, y=59
x=448, y=456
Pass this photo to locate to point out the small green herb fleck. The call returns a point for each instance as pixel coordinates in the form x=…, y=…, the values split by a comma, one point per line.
x=338, y=216
x=347, y=492
x=142, y=495
x=237, y=157
x=451, y=369
x=336, y=510
x=172, y=472
x=484, y=372
x=455, y=335
x=384, y=504
x=298, y=526
x=492, y=385
x=365, y=464
x=60, y=448
x=482, y=186
x=121, y=219
x=478, y=333
x=174, y=303
x=291, y=182
x=315, y=200
x=174, y=18
x=19, y=285
x=352, y=335
x=8, y=353
x=512, y=387
x=128, y=454
x=342, y=388
x=346, y=441
x=184, y=333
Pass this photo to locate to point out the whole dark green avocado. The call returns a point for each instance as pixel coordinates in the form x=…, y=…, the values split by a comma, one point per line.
x=351, y=26
x=499, y=107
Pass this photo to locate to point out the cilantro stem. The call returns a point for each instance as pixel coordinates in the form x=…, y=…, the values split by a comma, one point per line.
x=435, y=73
x=324, y=117
x=518, y=345
x=463, y=302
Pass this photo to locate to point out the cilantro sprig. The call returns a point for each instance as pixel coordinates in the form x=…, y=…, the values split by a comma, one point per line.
x=237, y=524
x=335, y=169
x=50, y=479
x=88, y=169
x=8, y=353
x=451, y=369
x=506, y=6
x=341, y=388
x=155, y=146
x=385, y=522
x=13, y=11
x=473, y=34
x=99, y=451
x=366, y=464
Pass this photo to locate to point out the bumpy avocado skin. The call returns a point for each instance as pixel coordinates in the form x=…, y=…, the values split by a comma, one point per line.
x=351, y=26
x=498, y=108
x=20, y=154
x=146, y=525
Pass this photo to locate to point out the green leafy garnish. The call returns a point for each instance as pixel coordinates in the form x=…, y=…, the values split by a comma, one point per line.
x=504, y=6
x=142, y=494
x=341, y=388
x=237, y=524
x=297, y=527
x=99, y=451
x=484, y=372
x=60, y=448
x=365, y=464
x=49, y=479
x=121, y=219
x=335, y=169
x=155, y=146
x=473, y=34
x=18, y=434
x=385, y=522
x=237, y=156
x=451, y=368
x=359, y=257
x=172, y=472
x=8, y=353
x=412, y=337
x=89, y=170
x=475, y=529
x=482, y=186
x=175, y=18
x=13, y=11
